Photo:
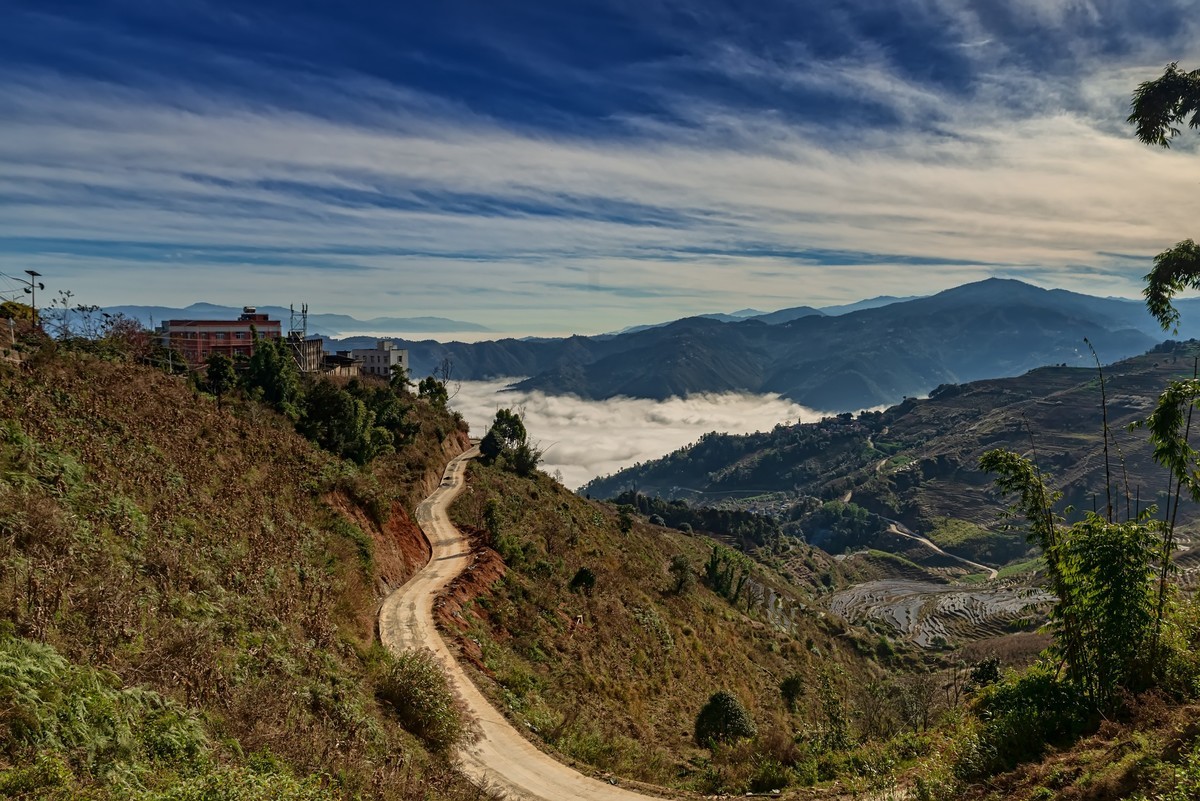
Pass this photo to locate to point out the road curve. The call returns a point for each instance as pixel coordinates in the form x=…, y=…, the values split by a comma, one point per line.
x=896, y=528
x=499, y=759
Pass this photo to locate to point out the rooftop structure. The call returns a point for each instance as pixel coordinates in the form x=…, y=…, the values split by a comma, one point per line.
x=381, y=359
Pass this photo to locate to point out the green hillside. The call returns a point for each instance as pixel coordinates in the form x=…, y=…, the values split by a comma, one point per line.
x=612, y=671
x=917, y=462
x=189, y=597
x=188, y=593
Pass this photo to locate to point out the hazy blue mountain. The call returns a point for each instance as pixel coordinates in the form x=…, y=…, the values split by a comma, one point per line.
x=787, y=315
x=327, y=324
x=859, y=359
x=869, y=303
x=771, y=318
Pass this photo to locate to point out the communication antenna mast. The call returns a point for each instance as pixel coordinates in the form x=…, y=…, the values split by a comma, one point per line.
x=298, y=337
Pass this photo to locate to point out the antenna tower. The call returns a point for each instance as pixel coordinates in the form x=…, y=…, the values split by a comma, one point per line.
x=298, y=337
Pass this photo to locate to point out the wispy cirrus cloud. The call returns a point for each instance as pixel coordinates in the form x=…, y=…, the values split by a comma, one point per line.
x=712, y=159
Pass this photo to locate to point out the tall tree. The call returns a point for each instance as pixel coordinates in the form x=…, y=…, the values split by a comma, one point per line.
x=341, y=423
x=1162, y=104
x=272, y=376
x=433, y=391
x=219, y=376
x=1158, y=108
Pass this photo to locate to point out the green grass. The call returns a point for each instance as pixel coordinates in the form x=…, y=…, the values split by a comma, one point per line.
x=966, y=539
x=1022, y=568
x=893, y=558
x=219, y=575
x=73, y=731
x=617, y=691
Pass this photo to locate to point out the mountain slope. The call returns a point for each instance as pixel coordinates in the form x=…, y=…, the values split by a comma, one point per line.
x=852, y=361
x=211, y=558
x=609, y=672
x=916, y=462
x=855, y=360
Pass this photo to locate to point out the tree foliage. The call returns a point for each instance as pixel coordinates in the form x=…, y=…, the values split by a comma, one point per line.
x=727, y=572
x=1099, y=571
x=271, y=376
x=751, y=528
x=507, y=442
x=1157, y=109
x=683, y=577
x=433, y=391
x=1159, y=106
x=723, y=719
x=583, y=581
x=504, y=437
x=342, y=424
x=792, y=690
x=219, y=375
x=391, y=409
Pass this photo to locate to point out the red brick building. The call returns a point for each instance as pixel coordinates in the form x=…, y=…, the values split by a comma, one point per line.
x=196, y=340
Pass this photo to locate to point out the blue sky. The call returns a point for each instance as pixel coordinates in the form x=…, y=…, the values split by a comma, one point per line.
x=579, y=166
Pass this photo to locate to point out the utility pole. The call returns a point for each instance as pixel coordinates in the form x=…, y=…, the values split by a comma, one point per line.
x=32, y=289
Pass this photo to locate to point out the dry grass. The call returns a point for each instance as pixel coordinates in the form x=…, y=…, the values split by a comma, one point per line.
x=614, y=678
x=215, y=557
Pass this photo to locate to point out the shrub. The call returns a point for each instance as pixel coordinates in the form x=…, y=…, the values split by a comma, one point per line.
x=985, y=672
x=78, y=719
x=769, y=775
x=234, y=784
x=415, y=686
x=625, y=518
x=1021, y=716
x=682, y=573
x=722, y=719
x=583, y=581
x=791, y=688
x=656, y=520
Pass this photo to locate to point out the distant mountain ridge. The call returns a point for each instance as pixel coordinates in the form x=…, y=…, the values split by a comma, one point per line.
x=857, y=359
x=327, y=324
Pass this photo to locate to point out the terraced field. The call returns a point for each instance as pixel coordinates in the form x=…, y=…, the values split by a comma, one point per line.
x=928, y=614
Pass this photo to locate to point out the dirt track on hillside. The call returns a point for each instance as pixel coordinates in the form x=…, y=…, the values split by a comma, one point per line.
x=499, y=759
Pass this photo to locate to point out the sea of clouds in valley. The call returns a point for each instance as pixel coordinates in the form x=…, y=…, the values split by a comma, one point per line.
x=584, y=439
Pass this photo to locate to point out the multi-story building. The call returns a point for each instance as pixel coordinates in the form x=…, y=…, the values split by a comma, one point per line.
x=381, y=359
x=196, y=340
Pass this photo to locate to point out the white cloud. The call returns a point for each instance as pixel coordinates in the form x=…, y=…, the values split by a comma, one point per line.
x=706, y=204
x=584, y=439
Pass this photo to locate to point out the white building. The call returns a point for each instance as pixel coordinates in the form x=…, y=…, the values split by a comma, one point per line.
x=382, y=358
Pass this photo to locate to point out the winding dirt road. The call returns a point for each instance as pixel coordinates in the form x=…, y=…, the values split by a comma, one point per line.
x=898, y=529
x=499, y=759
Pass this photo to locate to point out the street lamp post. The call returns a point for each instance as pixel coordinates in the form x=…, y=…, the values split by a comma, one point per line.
x=32, y=289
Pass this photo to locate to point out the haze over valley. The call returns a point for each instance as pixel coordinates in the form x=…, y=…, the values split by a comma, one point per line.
x=584, y=439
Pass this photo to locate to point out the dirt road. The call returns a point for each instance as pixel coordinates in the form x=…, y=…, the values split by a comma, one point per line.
x=500, y=759
x=896, y=528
